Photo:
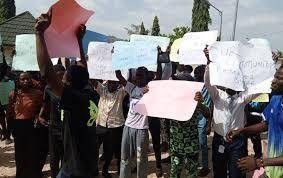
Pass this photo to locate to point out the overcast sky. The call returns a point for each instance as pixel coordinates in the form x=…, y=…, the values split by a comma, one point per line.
x=257, y=18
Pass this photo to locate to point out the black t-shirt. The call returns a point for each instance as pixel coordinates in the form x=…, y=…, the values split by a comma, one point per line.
x=55, y=115
x=79, y=132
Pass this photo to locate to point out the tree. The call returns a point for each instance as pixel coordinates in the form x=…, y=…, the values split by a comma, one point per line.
x=178, y=32
x=7, y=9
x=134, y=29
x=155, y=31
x=143, y=31
x=201, y=17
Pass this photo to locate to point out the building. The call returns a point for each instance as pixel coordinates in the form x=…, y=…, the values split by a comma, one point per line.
x=9, y=29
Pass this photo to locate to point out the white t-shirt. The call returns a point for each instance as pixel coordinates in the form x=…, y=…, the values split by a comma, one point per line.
x=134, y=119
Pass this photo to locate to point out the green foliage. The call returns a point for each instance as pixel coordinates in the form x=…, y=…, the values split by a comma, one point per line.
x=143, y=31
x=7, y=9
x=201, y=17
x=155, y=31
x=134, y=29
x=178, y=32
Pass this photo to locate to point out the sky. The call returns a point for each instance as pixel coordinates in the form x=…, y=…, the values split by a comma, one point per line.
x=256, y=18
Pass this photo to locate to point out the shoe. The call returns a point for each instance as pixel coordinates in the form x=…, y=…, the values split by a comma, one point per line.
x=106, y=174
x=203, y=172
x=159, y=172
x=166, y=160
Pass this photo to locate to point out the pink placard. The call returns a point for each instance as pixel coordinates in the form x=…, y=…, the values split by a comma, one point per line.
x=60, y=37
x=170, y=99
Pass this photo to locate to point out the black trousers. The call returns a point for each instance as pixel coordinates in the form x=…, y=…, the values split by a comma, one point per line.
x=111, y=139
x=27, y=154
x=225, y=156
x=42, y=141
x=56, y=151
x=154, y=128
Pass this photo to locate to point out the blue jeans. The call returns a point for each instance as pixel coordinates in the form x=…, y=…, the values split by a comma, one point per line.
x=227, y=157
x=63, y=174
x=203, y=142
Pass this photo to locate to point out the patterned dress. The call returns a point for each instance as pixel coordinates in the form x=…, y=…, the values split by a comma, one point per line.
x=184, y=146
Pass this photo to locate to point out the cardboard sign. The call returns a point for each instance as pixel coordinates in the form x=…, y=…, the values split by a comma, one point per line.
x=162, y=42
x=60, y=37
x=129, y=55
x=191, y=49
x=25, y=58
x=100, y=62
x=170, y=99
x=242, y=66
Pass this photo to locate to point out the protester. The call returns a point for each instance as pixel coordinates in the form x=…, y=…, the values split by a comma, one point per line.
x=135, y=134
x=5, y=133
x=184, y=141
x=157, y=124
x=23, y=108
x=228, y=113
x=273, y=123
x=41, y=131
x=204, y=124
x=79, y=127
x=50, y=116
x=110, y=122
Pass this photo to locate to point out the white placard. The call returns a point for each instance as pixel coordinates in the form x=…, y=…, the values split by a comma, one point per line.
x=100, y=61
x=162, y=42
x=25, y=58
x=191, y=49
x=242, y=66
x=174, y=53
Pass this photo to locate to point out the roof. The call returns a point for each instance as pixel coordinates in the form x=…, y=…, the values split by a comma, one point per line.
x=20, y=24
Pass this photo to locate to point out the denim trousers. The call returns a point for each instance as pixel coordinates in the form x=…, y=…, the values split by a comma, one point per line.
x=203, y=142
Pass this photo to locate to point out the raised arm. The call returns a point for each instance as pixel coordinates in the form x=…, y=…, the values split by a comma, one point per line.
x=159, y=66
x=213, y=91
x=159, y=71
x=43, y=59
x=80, y=35
x=120, y=77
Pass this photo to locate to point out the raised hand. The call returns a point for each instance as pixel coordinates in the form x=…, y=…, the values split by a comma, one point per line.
x=43, y=22
x=198, y=97
x=146, y=89
x=206, y=53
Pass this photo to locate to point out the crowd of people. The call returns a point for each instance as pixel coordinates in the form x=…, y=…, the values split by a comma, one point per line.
x=63, y=113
